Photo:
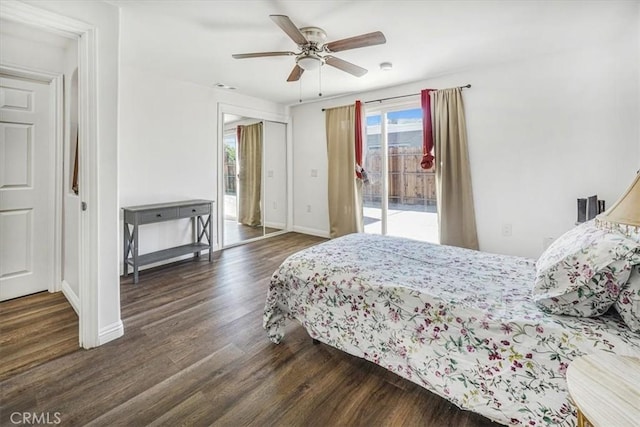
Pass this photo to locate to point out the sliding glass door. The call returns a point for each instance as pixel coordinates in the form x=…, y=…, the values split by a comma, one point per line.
x=400, y=198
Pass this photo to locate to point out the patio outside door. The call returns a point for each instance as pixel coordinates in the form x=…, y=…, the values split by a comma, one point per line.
x=400, y=199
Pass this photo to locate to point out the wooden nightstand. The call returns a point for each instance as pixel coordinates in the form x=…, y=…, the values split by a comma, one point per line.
x=606, y=390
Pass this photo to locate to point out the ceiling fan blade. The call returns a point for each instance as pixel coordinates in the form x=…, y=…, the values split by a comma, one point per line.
x=295, y=74
x=364, y=40
x=260, y=54
x=290, y=28
x=343, y=65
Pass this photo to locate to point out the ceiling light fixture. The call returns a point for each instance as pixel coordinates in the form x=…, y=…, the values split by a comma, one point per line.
x=309, y=62
x=386, y=66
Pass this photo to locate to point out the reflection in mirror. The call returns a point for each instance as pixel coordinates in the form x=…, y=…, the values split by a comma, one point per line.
x=254, y=178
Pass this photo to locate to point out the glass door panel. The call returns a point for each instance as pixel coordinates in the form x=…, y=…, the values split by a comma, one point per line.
x=406, y=192
x=373, y=160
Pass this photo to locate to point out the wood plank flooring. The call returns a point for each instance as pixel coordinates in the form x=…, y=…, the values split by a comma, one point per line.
x=194, y=353
x=34, y=329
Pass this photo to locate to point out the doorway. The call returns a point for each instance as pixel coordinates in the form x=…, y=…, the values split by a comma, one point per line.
x=27, y=190
x=39, y=123
x=400, y=198
x=85, y=34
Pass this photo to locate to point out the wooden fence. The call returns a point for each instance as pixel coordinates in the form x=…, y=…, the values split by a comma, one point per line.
x=229, y=176
x=409, y=184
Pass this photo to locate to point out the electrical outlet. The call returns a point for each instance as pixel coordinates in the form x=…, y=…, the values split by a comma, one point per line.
x=269, y=174
x=507, y=230
x=275, y=205
x=314, y=173
x=308, y=208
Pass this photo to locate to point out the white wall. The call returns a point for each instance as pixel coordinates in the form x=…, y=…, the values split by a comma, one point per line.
x=32, y=52
x=105, y=17
x=168, y=145
x=542, y=132
x=167, y=149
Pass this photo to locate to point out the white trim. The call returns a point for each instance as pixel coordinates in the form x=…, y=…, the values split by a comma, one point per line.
x=89, y=173
x=280, y=225
x=111, y=332
x=89, y=335
x=311, y=231
x=56, y=131
x=57, y=86
x=15, y=10
x=290, y=182
x=251, y=113
x=71, y=296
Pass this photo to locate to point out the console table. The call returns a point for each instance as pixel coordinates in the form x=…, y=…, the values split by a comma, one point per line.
x=200, y=212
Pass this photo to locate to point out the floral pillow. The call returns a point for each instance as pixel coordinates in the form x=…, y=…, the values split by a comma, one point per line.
x=628, y=303
x=582, y=273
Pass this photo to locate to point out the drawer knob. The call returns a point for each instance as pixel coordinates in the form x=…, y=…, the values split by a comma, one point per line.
x=158, y=215
x=193, y=210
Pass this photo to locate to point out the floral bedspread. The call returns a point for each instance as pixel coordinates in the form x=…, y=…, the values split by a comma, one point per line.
x=457, y=322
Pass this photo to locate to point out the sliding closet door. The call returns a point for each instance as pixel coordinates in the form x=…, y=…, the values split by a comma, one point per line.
x=254, y=178
x=275, y=177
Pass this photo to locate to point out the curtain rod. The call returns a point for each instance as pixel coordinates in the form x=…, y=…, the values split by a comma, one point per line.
x=403, y=96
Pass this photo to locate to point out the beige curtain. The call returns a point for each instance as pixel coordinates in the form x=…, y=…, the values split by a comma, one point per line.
x=250, y=174
x=456, y=214
x=345, y=190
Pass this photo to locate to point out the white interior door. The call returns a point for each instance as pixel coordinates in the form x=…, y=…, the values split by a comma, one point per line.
x=27, y=184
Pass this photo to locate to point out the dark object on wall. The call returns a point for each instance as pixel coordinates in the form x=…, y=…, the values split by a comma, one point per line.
x=582, y=210
x=590, y=207
x=74, y=182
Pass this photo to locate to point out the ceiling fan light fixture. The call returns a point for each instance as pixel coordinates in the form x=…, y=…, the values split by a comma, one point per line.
x=309, y=62
x=386, y=66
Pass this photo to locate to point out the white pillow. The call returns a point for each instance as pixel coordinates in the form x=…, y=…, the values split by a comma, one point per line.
x=628, y=303
x=583, y=271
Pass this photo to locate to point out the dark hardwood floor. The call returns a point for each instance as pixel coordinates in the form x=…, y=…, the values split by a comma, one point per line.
x=35, y=329
x=194, y=353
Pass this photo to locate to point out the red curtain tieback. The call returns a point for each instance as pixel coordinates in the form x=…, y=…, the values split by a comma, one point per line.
x=427, y=161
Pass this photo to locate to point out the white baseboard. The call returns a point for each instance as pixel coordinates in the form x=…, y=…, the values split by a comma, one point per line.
x=71, y=296
x=311, y=231
x=280, y=225
x=110, y=332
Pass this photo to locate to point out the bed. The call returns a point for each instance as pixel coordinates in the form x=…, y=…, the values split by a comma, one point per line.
x=457, y=322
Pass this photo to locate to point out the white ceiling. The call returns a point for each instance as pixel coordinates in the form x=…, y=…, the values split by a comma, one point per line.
x=194, y=40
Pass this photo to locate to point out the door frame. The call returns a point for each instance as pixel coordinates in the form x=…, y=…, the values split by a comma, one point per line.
x=86, y=34
x=56, y=133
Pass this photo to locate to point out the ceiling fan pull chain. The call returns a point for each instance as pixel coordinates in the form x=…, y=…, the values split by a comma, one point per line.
x=300, y=98
x=320, y=81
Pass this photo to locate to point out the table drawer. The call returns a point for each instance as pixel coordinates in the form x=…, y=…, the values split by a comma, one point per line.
x=189, y=211
x=157, y=215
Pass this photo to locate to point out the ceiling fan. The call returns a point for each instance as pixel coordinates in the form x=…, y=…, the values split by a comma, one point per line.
x=314, y=52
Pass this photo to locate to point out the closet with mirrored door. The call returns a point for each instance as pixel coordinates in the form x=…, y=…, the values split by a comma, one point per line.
x=253, y=176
